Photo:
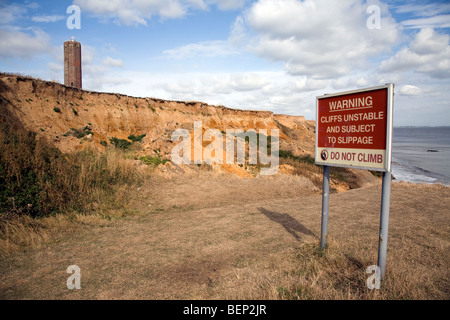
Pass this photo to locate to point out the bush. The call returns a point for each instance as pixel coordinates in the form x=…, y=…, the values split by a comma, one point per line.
x=156, y=161
x=286, y=154
x=136, y=139
x=120, y=143
x=37, y=179
x=57, y=110
x=31, y=180
x=79, y=133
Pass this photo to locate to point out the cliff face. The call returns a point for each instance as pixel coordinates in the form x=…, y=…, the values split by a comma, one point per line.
x=73, y=119
x=59, y=113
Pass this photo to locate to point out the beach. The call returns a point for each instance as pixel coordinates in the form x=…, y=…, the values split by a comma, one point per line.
x=420, y=154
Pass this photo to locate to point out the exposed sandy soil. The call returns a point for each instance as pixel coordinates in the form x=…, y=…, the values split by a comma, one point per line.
x=31, y=103
x=206, y=235
x=217, y=237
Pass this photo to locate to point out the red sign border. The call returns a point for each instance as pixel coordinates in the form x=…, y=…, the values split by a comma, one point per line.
x=389, y=127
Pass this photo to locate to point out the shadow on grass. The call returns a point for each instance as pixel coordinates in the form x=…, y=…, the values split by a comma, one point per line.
x=289, y=223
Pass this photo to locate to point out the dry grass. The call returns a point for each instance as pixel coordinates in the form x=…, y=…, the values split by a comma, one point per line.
x=208, y=236
x=38, y=182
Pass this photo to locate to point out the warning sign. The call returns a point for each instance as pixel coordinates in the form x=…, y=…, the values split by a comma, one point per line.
x=354, y=129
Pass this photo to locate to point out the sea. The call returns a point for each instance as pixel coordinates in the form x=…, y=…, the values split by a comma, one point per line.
x=421, y=154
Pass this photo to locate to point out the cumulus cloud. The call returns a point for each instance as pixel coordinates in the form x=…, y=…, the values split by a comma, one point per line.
x=428, y=53
x=99, y=74
x=321, y=39
x=9, y=13
x=137, y=12
x=410, y=90
x=229, y=4
x=133, y=12
x=197, y=85
x=204, y=49
x=110, y=62
x=19, y=44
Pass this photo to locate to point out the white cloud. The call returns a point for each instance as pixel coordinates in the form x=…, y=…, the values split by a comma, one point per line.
x=205, y=49
x=133, y=12
x=110, y=62
x=196, y=86
x=440, y=21
x=248, y=82
x=410, y=90
x=424, y=15
x=10, y=13
x=304, y=84
x=137, y=12
x=322, y=39
x=228, y=4
x=422, y=9
x=18, y=44
x=428, y=53
x=48, y=18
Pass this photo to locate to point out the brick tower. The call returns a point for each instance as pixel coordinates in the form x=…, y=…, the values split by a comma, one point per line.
x=72, y=64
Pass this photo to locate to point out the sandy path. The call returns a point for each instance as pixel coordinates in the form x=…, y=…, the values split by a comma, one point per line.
x=196, y=250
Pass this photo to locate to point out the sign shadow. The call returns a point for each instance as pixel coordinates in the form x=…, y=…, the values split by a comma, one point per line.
x=289, y=223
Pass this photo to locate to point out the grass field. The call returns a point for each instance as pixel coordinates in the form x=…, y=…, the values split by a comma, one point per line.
x=212, y=236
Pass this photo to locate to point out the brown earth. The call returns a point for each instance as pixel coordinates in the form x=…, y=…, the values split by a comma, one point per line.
x=215, y=236
x=202, y=233
x=30, y=103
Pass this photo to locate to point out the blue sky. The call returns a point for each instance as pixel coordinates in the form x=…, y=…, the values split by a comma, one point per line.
x=260, y=55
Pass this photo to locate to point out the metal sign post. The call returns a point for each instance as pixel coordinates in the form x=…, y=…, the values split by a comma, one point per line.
x=325, y=206
x=384, y=223
x=354, y=130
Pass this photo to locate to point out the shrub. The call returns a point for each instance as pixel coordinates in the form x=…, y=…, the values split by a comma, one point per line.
x=104, y=143
x=37, y=179
x=31, y=180
x=79, y=133
x=57, y=110
x=153, y=160
x=286, y=154
x=136, y=139
x=120, y=143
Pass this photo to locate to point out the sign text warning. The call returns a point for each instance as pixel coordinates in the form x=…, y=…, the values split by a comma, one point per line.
x=353, y=129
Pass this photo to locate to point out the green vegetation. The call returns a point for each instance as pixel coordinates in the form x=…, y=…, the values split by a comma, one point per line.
x=37, y=179
x=104, y=143
x=57, y=110
x=125, y=144
x=286, y=154
x=155, y=161
x=136, y=138
x=75, y=112
x=80, y=133
x=120, y=143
